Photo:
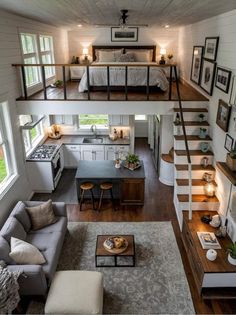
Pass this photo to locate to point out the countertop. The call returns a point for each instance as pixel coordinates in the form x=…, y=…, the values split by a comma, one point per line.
x=75, y=139
x=106, y=169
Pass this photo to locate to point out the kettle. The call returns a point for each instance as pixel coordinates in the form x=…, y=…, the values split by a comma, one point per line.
x=204, y=162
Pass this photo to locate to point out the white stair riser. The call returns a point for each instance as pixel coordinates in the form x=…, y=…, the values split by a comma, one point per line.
x=195, y=174
x=194, y=159
x=193, y=116
x=193, y=104
x=190, y=130
x=212, y=206
x=193, y=145
x=184, y=190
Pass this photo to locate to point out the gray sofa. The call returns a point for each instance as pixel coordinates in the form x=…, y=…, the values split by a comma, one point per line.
x=49, y=240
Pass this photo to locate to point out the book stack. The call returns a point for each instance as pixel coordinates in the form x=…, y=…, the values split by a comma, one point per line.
x=208, y=240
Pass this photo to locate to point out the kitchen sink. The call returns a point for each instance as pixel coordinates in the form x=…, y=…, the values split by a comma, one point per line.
x=93, y=140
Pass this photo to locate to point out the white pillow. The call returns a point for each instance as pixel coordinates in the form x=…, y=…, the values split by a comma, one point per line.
x=142, y=55
x=116, y=53
x=24, y=253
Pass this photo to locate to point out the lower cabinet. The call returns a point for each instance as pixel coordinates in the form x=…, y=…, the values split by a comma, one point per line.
x=94, y=152
x=72, y=155
x=113, y=152
x=132, y=191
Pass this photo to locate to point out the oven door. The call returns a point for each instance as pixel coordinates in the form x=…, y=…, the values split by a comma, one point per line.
x=56, y=168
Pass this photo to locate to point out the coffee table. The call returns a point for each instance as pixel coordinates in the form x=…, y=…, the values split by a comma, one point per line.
x=102, y=252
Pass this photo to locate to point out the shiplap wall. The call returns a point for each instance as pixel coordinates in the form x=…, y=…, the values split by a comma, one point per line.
x=224, y=26
x=161, y=37
x=9, y=89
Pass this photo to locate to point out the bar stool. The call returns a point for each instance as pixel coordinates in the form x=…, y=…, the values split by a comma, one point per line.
x=84, y=187
x=104, y=187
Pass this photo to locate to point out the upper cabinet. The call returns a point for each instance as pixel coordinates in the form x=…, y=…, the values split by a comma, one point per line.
x=119, y=120
x=62, y=119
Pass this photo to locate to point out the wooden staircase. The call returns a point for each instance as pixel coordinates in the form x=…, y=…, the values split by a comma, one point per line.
x=181, y=185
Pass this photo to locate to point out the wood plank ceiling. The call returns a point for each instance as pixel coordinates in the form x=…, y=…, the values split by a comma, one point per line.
x=69, y=13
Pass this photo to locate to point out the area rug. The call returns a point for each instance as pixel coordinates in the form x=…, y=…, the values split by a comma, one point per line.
x=156, y=285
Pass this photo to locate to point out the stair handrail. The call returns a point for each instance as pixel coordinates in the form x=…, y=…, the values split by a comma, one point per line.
x=186, y=143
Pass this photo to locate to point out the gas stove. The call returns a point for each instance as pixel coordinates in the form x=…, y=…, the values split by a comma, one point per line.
x=44, y=152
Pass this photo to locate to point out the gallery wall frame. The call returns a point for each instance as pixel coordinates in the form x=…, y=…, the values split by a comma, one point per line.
x=223, y=115
x=223, y=77
x=229, y=141
x=208, y=75
x=211, y=48
x=196, y=64
x=232, y=98
x=129, y=34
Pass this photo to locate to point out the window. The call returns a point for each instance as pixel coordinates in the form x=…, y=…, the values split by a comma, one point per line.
x=140, y=117
x=32, y=137
x=7, y=164
x=37, y=49
x=86, y=121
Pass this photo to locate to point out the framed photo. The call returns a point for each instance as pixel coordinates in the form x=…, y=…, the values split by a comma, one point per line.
x=232, y=99
x=223, y=77
x=211, y=47
x=129, y=34
x=229, y=141
x=223, y=115
x=208, y=75
x=196, y=64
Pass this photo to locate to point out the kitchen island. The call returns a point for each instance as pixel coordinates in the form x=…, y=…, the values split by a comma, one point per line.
x=128, y=186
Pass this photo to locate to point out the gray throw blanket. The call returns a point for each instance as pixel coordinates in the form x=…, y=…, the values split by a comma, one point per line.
x=9, y=295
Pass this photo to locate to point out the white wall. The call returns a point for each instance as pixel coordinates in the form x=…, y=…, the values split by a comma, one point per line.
x=86, y=37
x=141, y=128
x=9, y=88
x=166, y=134
x=224, y=26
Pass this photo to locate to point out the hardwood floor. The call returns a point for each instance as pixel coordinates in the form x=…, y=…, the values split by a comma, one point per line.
x=187, y=93
x=158, y=207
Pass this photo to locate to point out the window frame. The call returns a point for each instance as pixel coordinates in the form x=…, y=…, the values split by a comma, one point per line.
x=143, y=119
x=8, y=147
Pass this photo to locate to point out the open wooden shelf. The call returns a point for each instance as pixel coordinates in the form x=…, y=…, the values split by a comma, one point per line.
x=227, y=172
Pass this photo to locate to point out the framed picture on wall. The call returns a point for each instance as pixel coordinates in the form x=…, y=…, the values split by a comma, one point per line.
x=207, y=75
x=229, y=141
x=232, y=99
x=223, y=115
x=223, y=77
x=129, y=34
x=211, y=47
x=196, y=63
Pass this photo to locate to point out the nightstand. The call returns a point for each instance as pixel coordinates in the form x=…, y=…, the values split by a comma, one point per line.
x=76, y=72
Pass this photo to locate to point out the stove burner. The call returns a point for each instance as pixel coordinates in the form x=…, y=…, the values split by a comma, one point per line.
x=43, y=152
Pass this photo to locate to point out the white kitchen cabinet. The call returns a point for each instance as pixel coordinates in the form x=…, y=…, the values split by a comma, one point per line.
x=116, y=151
x=92, y=152
x=72, y=155
x=63, y=120
x=119, y=120
x=76, y=73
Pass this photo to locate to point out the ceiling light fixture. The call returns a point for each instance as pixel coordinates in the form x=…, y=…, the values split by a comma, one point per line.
x=123, y=18
x=79, y=25
x=167, y=26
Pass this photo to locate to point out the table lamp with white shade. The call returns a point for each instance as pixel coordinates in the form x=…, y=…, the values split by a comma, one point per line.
x=162, y=60
x=85, y=53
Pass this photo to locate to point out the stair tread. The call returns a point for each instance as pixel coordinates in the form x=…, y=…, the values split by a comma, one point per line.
x=197, y=198
x=195, y=182
x=193, y=138
x=188, y=109
x=195, y=167
x=194, y=123
x=193, y=152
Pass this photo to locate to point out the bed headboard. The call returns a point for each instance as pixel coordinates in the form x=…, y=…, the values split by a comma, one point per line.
x=149, y=47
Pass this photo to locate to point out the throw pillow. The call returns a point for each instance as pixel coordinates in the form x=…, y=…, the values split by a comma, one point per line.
x=41, y=215
x=24, y=253
x=129, y=57
x=4, y=251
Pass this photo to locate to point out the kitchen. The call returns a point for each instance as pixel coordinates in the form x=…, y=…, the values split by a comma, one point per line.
x=69, y=145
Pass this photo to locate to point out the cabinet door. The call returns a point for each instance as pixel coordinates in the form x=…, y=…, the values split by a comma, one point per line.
x=74, y=158
x=125, y=120
x=98, y=155
x=110, y=152
x=72, y=155
x=123, y=151
x=87, y=154
x=132, y=192
x=115, y=120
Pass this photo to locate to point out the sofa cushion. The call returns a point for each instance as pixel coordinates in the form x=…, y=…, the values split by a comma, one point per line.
x=41, y=215
x=5, y=251
x=59, y=226
x=20, y=213
x=13, y=228
x=24, y=253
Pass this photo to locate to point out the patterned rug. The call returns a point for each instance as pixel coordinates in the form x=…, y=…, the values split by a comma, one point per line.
x=156, y=285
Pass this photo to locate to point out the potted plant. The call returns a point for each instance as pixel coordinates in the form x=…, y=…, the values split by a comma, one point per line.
x=170, y=56
x=58, y=84
x=232, y=254
x=231, y=160
x=203, y=133
x=132, y=160
x=201, y=117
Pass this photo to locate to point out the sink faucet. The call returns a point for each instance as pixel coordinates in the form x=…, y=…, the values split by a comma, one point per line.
x=94, y=130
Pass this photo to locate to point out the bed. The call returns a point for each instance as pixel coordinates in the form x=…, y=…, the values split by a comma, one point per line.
x=114, y=57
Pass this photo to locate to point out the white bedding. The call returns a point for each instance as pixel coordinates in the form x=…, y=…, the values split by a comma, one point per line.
x=137, y=76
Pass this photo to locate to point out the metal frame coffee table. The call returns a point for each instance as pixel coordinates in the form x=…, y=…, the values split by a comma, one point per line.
x=102, y=252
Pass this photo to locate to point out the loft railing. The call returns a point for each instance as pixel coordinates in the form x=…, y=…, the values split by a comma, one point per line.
x=63, y=67
x=186, y=145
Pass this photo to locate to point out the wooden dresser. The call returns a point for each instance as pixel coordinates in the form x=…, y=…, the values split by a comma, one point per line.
x=214, y=279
